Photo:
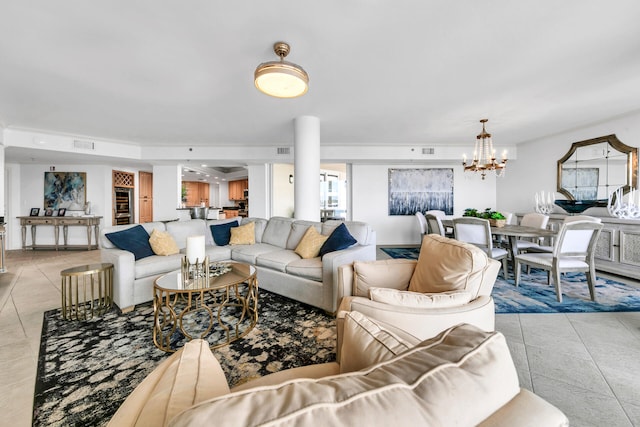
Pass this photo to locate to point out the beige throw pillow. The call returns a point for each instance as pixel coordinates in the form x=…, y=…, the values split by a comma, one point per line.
x=418, y=300
x=243, y=235
x=310, y=244
x=163, y=243
x=366, y=342
x=446, y=265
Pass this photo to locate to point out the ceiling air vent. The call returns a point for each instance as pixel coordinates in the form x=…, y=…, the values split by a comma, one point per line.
x=84, y=145
x=284, y=150
x=429, y=150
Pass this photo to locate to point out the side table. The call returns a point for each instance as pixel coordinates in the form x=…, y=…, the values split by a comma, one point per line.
x=87, y=290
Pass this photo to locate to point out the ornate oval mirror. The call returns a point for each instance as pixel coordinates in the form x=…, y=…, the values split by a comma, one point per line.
x=592, y=169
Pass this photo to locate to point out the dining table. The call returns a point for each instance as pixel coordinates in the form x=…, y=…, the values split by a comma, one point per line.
x=513, y=232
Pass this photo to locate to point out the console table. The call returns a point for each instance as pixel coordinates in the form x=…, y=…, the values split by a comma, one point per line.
x=56, y=221
x=618, y=247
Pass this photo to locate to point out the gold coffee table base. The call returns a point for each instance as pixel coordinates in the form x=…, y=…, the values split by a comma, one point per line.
x=228, y=306
x=87, y=291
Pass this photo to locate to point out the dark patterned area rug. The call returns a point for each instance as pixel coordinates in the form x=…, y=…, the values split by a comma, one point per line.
x=87, y=368
x=533, y=295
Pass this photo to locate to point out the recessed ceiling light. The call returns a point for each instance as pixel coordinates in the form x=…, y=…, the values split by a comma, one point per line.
x=204, y=166
x=207, y=175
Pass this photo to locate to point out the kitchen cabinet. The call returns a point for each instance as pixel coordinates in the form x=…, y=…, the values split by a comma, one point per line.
x=197, y=193
x=236, y=189
x=230, y=213
x=145, y=196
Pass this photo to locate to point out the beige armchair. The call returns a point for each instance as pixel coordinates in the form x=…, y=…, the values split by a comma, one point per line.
x=451, y=283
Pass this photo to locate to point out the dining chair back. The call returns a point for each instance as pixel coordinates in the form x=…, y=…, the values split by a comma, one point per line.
x=435, y=212
x=477, y=231
x=534, y=220
x=422, y=224
x=434, y=224
x=573, y=250
x=508, y=216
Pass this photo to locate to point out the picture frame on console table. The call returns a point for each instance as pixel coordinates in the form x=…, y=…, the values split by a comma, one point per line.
x=34, y=212
x=62, y=211
x=48, y=212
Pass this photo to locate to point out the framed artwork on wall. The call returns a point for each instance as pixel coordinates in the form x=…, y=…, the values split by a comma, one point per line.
x=420, y=190
x=65, y=190
x=34, y=212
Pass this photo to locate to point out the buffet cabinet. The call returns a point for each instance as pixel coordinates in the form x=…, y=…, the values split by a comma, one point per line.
x=618, y=247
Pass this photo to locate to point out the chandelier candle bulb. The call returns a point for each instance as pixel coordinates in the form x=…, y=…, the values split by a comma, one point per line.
x=195, y=249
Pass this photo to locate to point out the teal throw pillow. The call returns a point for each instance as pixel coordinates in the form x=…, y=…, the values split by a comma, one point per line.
x=222, y=232
x=339, y=239
x=134, y=240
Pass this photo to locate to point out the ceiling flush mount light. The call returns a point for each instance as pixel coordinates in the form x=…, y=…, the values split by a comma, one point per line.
x=484, y=156
x=281, y=79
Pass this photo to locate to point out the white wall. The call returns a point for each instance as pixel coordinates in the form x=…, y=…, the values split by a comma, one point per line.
x=283, y=192
x=370, y=194
x=260, y=195
x=167, y=187
x=536, y=167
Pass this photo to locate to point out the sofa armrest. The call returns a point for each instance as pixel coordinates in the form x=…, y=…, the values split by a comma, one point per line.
x=333, y=260
x=317, y=371
x=426, y=323
x=124, y=272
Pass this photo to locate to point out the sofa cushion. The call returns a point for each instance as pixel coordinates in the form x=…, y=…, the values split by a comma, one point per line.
x=308, y=268
x=277, y=231
x=156, y=265
x=190, y=376
x=249, y=253
x=418, y=300
x=217, y=253
x=459, y=377
x=310, y=244
x=361, y=231
x=222, y=232
x=243, y=235
x=260, y=224
x=394, y=273
x=298, y=229
x=277, y=260
x=447, y=264
x=366, y=342
x=180, y=230
x=162, y=243
x=134, y=240
x=339, y=239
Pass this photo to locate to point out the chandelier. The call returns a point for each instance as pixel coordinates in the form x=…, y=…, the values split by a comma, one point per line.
x=484, y=156
x=281, y=79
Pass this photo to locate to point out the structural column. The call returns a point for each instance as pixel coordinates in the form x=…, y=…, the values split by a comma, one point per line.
x=306, y=158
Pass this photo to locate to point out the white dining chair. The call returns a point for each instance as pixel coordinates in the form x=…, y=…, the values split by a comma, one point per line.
x=573, y=251
x=448, y=231
x=535, y=220
x=434, y=224
x=477, y=231
x=422, y=224
x=568, y=219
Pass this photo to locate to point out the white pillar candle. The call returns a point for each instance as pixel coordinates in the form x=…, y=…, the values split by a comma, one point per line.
x=195, y=249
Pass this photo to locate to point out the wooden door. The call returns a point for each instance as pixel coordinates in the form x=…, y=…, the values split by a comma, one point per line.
x=145, y=196
x=203, y=190
x=193, y=193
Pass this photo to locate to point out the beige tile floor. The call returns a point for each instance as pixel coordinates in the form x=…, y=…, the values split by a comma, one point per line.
x=586, y=364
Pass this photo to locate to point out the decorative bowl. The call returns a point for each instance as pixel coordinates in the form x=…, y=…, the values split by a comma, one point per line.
x=579, y=206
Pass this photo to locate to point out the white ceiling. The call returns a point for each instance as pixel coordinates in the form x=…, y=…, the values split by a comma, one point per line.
x=381, y=72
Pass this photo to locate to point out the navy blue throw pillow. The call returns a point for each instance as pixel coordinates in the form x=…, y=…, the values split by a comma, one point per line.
x=222, y=232
x=134, y=240
x=339, y=239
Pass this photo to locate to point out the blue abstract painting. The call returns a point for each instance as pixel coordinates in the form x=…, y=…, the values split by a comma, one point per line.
x=65, y=190
x=413, y=190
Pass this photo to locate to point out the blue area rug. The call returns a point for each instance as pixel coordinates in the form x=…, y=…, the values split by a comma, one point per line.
x=535, y=296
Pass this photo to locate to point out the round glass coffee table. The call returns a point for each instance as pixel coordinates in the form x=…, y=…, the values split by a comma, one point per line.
x=220, y=310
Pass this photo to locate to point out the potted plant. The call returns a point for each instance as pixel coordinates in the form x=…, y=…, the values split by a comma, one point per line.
x=496, y=219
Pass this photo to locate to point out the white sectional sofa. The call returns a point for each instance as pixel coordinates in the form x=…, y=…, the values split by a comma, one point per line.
x=280, y=270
